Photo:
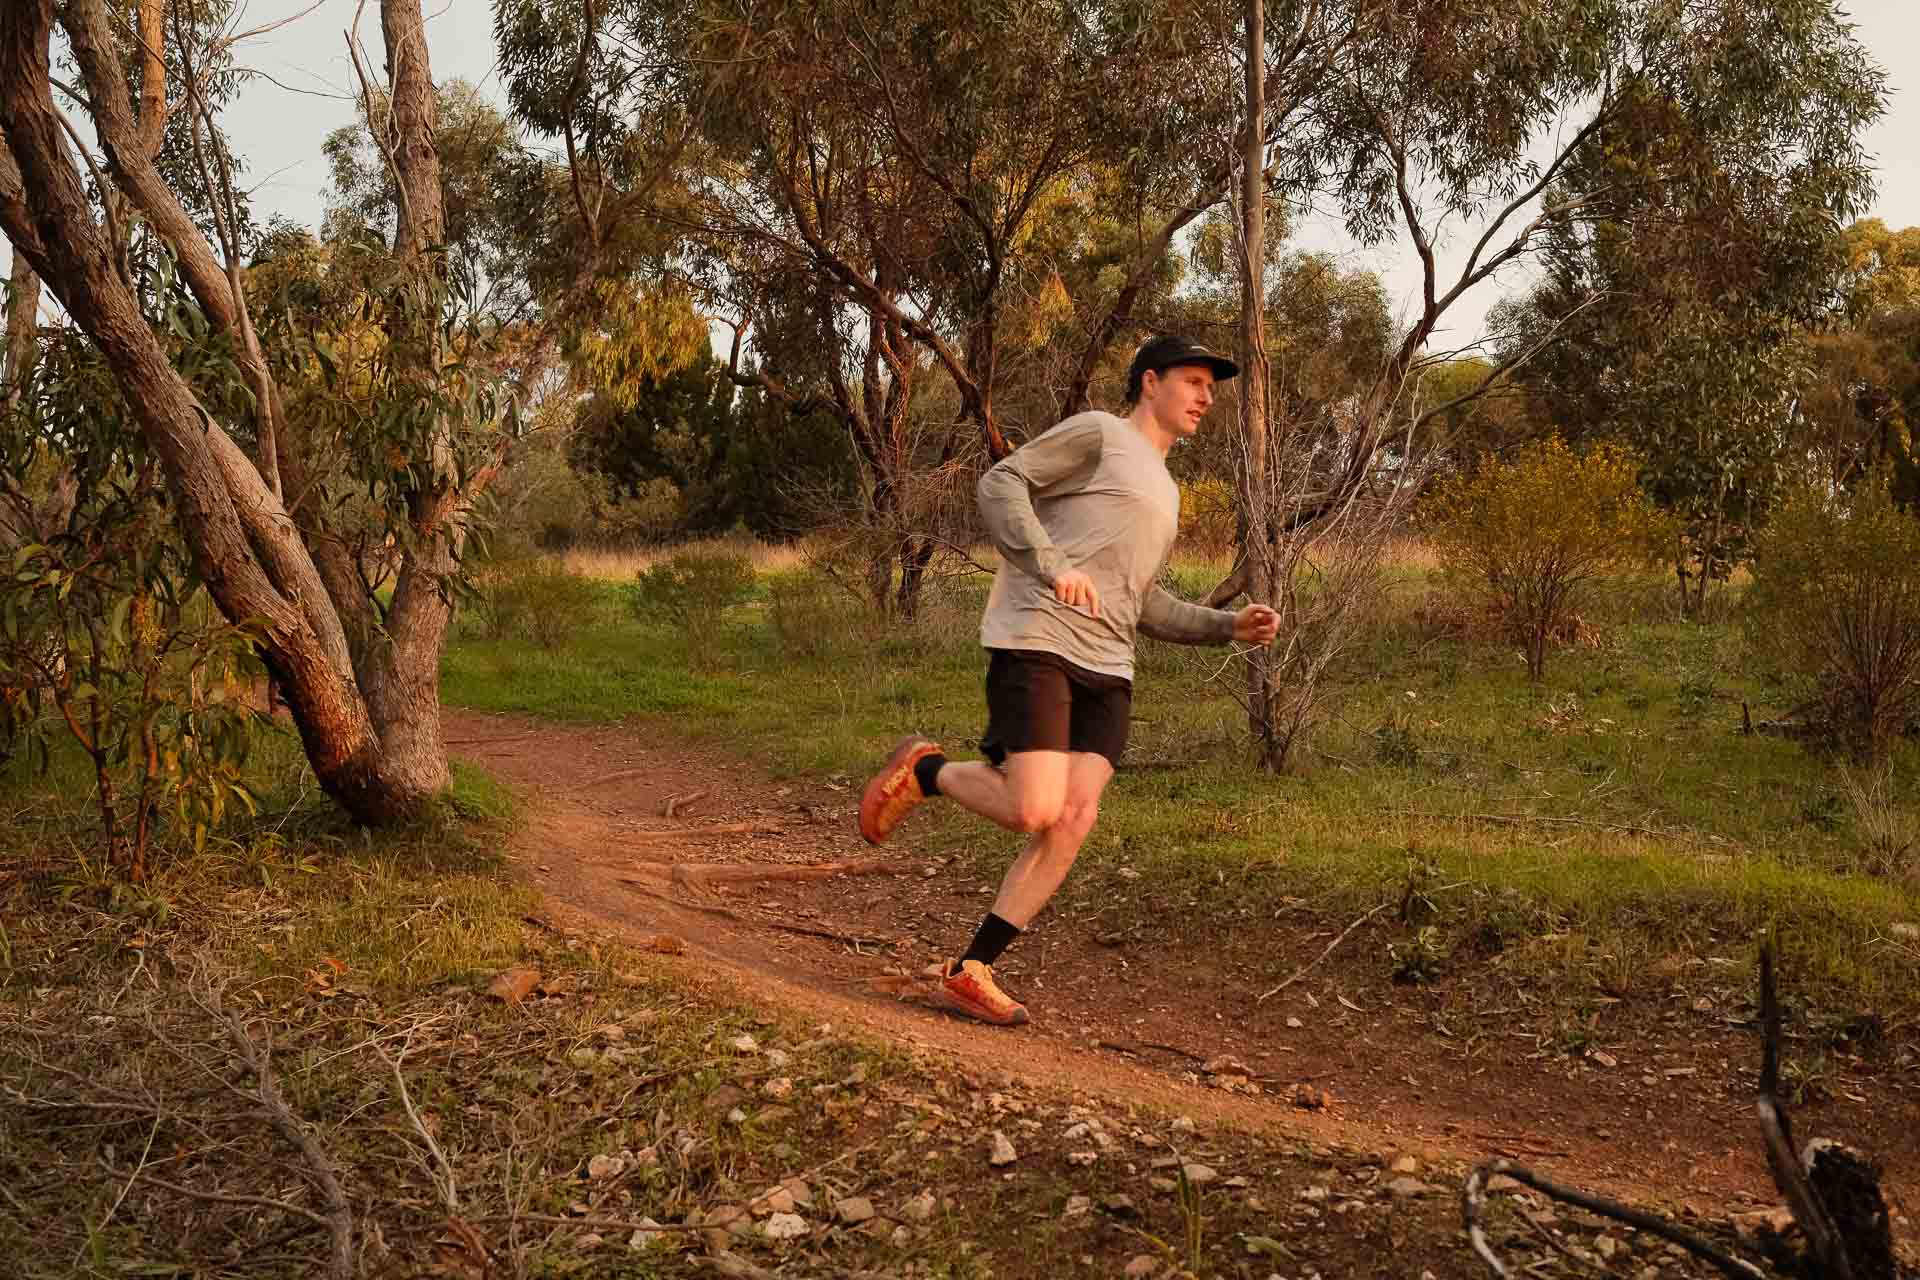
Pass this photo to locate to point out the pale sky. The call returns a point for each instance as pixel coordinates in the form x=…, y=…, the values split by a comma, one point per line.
x=278, y=125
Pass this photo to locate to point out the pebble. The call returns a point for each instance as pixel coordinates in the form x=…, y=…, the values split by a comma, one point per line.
x=602, y=1167
x=1002, y=1151
x=1199, y=1174
x=1183, y=1125
x=1077, y=1207
x=778, y=1087
x=744, y=1044
x=1143, y=1264
x=1407, y=1188
x=1082, y=1158
x=853, y=1209
x=591, y=1240
x=918, y=1209
x=785, y=1226
x=1405, y=1164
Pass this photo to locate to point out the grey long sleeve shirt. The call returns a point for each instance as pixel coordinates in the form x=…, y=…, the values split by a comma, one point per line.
x=1090, y=494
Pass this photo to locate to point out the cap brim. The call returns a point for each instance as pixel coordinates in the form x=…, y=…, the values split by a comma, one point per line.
x=1222, y=367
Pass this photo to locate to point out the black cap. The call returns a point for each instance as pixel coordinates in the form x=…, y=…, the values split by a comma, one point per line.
x=1164, y=352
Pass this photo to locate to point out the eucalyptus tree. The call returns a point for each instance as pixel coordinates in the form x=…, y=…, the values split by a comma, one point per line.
x=360, y=677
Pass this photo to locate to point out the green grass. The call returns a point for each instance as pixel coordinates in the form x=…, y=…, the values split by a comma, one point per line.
x=1615, y=800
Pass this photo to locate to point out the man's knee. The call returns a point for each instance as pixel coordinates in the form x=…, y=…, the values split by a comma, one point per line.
x=1036, y=813
x=1078, y=817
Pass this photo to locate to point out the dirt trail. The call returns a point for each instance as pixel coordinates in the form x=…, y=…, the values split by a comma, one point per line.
x=1126, y=1023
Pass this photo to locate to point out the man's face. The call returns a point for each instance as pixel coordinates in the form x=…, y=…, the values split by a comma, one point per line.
x=1179, y=397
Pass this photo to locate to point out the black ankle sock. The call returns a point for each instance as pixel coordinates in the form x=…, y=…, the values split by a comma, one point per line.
x=991, y=939
x=926, y=771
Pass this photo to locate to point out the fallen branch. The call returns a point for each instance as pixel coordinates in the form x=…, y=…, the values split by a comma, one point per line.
x=1473, y=1200
x=1303, y=969
x=685, y=801
x=722, y=829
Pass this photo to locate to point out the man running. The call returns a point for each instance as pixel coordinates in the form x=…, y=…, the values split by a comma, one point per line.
x=1084, y=516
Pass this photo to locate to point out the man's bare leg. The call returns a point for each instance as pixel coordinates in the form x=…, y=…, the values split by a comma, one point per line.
x=1028, y=796
x=1042, y=866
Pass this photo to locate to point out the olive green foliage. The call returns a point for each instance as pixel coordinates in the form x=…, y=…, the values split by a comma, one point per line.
x=692, y=590
x=704, y=457
x=1836, y=603
x=106, y=637
x=531, y=598
x=1535, y=533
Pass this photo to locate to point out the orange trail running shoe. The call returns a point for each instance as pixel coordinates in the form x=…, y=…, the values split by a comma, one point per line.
x=971, y=990
x=894, y=792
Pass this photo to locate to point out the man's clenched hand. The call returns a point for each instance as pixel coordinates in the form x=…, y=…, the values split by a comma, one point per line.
x=1256, y=624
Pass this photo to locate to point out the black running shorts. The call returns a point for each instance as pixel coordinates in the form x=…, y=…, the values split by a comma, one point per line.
x=1041, y=702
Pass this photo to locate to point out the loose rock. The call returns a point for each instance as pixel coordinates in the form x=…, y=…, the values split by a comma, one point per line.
x=853, y=1209
x=1199, y=1174
x=602, y=1167
x=1002, y=1152
x=1143, y=1264
x=784, y=1226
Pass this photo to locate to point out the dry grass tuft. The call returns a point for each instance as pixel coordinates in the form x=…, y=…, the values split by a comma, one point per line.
x=622, y=564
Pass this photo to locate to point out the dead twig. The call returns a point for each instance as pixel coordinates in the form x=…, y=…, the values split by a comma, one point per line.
x=438, y=1167
x=221, y=1197
x=1135, y=1046
x=259, y=1063
x=618, y=775
x=771, y=922
x=1302, y=971
x=595, y=1224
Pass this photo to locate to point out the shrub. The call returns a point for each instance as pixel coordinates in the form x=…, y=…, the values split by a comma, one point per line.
x=1836, y=603
x=534, y=599
x=1534, y=534
x=693, y=590
x=812, y=617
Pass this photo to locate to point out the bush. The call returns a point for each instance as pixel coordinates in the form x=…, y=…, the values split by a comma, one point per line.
x=813, y=617
x=1836, y=603
x=693, y=590
x=1534, y=534
x=533, y=599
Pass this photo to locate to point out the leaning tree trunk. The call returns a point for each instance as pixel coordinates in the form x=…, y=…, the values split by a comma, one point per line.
x=370, y=728
x=1256, y=488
